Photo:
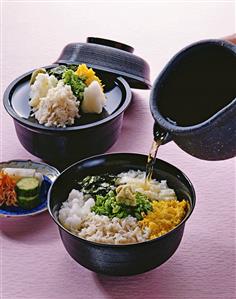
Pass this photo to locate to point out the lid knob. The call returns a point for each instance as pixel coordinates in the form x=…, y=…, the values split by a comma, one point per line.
x=110, y=43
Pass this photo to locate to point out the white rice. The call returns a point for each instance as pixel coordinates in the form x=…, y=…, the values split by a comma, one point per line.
x=75, y=214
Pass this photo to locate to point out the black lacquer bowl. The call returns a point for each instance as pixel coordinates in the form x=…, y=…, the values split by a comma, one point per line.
x=91, y=134
x=120, y=259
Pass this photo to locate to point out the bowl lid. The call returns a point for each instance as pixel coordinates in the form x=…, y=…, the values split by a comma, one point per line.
x=109, y=56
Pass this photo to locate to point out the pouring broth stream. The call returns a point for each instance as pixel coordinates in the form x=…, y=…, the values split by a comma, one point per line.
x=157, y=142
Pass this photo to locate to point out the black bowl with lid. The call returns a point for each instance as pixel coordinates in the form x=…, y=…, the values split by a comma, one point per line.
x=91, y=134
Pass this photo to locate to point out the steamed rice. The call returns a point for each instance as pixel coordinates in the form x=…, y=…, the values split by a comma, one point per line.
x=76, y=216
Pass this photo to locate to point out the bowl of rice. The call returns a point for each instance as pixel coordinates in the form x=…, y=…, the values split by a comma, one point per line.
x=112, y=221
x=63, y=113
x=74, y=108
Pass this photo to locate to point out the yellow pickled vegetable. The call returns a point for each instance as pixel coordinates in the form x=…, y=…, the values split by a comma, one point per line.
x=165, y=216
x=88, y=73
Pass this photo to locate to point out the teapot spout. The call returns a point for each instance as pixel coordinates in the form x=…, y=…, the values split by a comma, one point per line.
x=160, y=134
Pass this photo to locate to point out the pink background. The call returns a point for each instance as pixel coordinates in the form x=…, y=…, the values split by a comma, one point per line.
x=34, y=264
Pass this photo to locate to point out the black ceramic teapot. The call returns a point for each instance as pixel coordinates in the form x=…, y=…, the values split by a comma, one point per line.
x=194, y=100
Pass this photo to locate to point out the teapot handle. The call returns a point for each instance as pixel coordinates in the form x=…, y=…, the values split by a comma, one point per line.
x=160, y=133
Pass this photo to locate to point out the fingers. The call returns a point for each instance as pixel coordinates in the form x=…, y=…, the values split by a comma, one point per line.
x=231, y=38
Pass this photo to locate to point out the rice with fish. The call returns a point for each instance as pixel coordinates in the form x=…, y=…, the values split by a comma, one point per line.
x=121, y=209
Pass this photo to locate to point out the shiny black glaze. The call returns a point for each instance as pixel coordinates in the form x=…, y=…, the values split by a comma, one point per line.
x=111, y=57
x=91, y=134
x=119, y=259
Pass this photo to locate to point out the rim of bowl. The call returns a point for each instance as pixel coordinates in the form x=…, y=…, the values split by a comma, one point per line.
x=123, y=245
x=27, y=123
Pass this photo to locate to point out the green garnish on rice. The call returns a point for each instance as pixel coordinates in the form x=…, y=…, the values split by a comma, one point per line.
x=96, y=184
x=77, y=85
x=107, y=205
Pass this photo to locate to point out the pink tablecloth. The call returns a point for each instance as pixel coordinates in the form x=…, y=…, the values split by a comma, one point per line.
x=34, y=264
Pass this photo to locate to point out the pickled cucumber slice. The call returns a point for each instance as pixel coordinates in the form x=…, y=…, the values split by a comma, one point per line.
x=29, y=202
x=27, y=187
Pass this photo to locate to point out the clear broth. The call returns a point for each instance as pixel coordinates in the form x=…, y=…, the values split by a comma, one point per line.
x=157, y=142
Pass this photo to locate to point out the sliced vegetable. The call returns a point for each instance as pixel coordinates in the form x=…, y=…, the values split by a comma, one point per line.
x=77, y=85
x=18, y=173
x=88, y=75
x=143, y=205
x=109, y=206
x=28, y=186
x=28, y=202
x=7, y=190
